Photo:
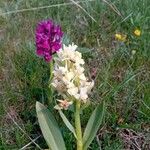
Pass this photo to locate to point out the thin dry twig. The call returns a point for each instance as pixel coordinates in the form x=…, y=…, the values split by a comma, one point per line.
x=24, y=132
x=23, y=148
x=132, y=139
x=113, y=7
x=78, y=5
x=42, y=7
x=98, y=142
x=127, y=17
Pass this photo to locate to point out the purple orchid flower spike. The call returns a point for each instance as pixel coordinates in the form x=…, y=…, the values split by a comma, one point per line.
x=48, y=39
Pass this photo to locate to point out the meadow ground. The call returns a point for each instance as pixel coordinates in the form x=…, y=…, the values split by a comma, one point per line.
x=122, y=69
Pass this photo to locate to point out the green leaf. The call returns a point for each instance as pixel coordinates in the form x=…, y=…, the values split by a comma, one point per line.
x=84, y=50
x=49, y=128
x=67, y=123
x=93, y=125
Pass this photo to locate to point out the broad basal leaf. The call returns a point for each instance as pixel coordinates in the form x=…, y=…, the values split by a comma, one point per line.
x=93, y=125
x=49, y=128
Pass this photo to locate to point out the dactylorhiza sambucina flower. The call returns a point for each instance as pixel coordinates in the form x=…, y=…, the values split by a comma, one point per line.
x=48, y=39
x=69, y=78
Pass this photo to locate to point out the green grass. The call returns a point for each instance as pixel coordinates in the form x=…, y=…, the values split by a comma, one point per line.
x=122, y=78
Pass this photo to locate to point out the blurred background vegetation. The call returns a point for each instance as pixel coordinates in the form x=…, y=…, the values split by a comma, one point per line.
x=121, y=76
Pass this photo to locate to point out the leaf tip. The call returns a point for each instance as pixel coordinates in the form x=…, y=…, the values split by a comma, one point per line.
x=39, y=106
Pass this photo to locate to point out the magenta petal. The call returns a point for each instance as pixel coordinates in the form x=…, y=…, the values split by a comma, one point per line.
x=45, y=44
x=48, y=58
x=39, y=52
x=56, y=47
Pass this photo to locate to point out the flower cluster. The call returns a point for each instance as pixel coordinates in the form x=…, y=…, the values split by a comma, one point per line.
x=48, y=39
x=69, y=78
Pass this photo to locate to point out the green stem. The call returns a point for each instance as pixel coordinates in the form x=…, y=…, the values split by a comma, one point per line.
x=50, y=95
x=78, y=126
x=51, y=71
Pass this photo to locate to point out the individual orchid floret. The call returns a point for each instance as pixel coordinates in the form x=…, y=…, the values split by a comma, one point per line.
x=63, y=104
x=59, y=85
x=69, y=77
x=48, y=39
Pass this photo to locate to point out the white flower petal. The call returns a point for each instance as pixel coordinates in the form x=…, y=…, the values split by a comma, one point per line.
x=83, y=93
x=82, y=77
x=73, y=91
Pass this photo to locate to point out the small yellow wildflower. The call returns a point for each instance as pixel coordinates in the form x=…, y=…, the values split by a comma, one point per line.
x=120, y=37
x=137, y=32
